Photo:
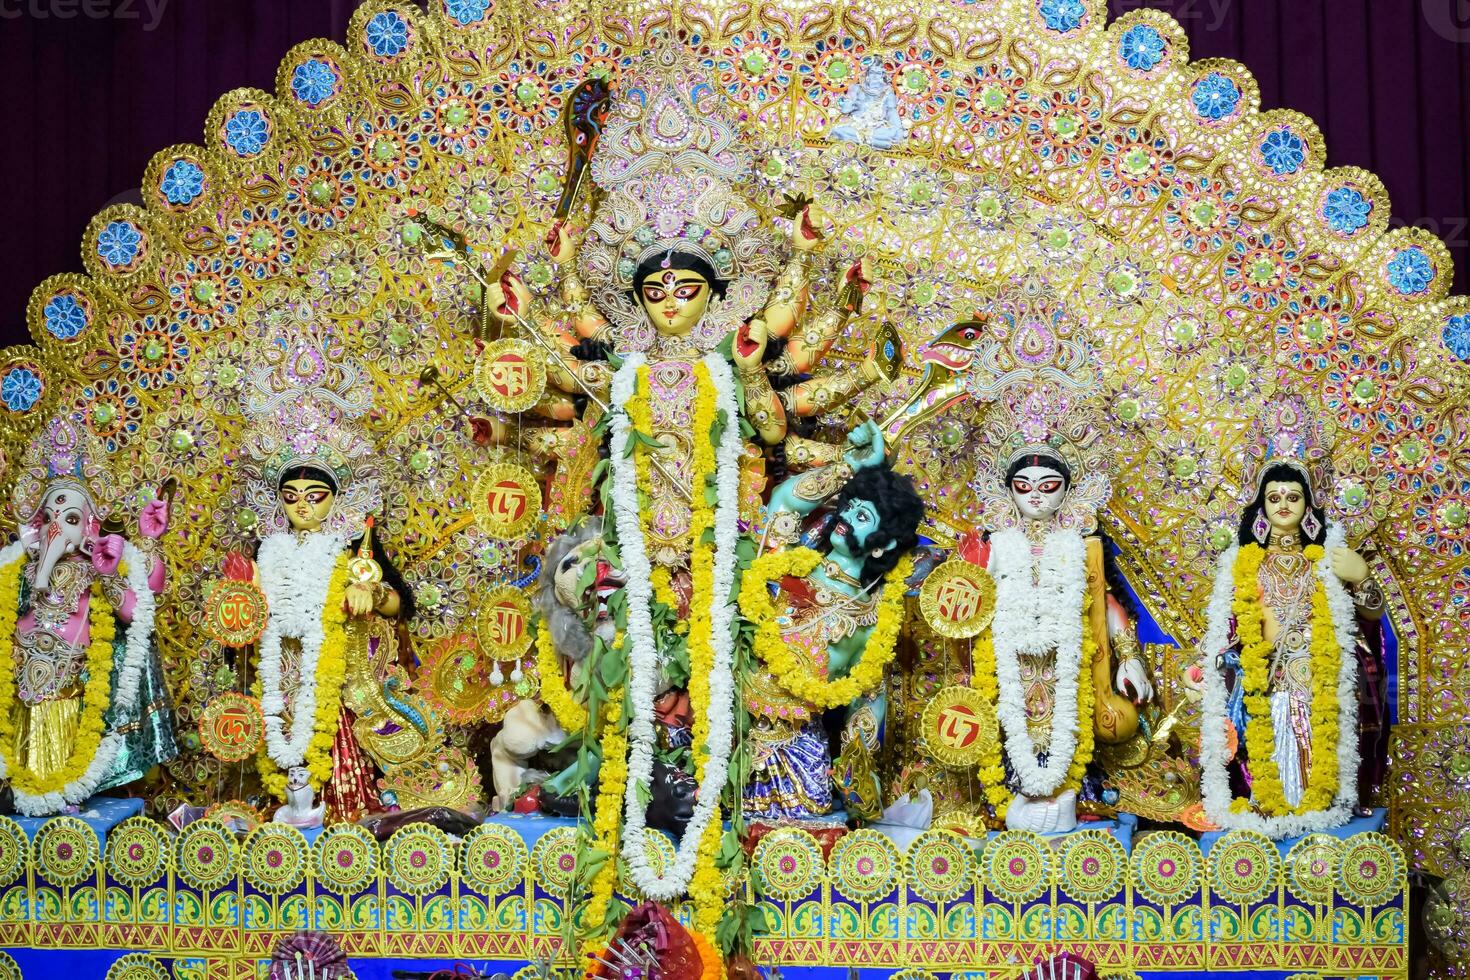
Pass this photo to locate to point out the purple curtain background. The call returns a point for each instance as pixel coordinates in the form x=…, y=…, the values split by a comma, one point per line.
x=92, y=88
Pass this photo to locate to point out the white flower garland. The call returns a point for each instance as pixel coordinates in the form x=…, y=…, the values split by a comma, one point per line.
x=643, y=646
x=294, y=575
x=124, y=694
x=1214, y=762
x=1038, y=614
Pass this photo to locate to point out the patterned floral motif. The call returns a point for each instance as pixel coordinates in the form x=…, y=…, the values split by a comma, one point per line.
x=111, y=409
x=67, y=315
x=1310, y=867
x=386, y=153
x=345, y=858
x=182, y=183
x=1063, y=128
x=275, y=858
x=137, y=853
x=554, y=860
x=418, y=859
x=1216, y=97
x=1283, y=151
x=322, y=192
x=754, y=67
x=457, y=117
x=20, y=388
x=205, y=291
x=1136, y=166
x=247, y=131
x=1345, y=210
x=315, y=81
x=1262, y=272
x=1201, y=214
x=1062, y=16
x=137, y=966
x=1456, y=335
x=259, y=242
x=788, y=864
x=1017, y=866
x=1245, y=867
x=121, y=246
x=466, y=12
x=1091, y=865
x=528, y=95
x=865, y=866
x=14, y=850
x=1310, y=329
x=1166, y=868
x=1411, y=271
x=206, y=855
x=991, y=104
x=492, y=859
x=386, y=34
x=151, y=352
x=1142, y=48
x=1370, y=871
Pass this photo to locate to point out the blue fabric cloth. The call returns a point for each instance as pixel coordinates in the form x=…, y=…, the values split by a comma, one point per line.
x=101, y=813
x=1357, y=825
x=1121, y=829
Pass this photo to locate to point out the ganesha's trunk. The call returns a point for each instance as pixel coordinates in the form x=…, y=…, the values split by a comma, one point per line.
x=1114, y=718
x=54, y=547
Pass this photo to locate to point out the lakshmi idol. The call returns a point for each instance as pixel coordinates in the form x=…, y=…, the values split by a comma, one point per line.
x=1293, y=734
x=86, y=708
x=339, y=717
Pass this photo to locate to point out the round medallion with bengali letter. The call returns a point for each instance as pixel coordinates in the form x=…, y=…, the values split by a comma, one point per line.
x=232, y=726
x=510, y=374
x=503, y=623
x=958, y=599
x=507, y=500
x=235, y=612
x=958, y=727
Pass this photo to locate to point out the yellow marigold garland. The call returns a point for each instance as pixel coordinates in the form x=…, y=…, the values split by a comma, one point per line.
x=554, y=694
x=611, y=782
x=1082, y=755
x=797, y=679
x=331, y=671
x=96, y=696
x=992, y=765
x=1255, y=656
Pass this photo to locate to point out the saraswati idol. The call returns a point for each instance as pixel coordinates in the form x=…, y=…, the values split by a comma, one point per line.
x=86, y=708
x=1293, y=735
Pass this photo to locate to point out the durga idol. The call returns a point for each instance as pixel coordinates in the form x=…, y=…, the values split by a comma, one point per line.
x=1293, y=738
x=1060, y=659
x=86, y=708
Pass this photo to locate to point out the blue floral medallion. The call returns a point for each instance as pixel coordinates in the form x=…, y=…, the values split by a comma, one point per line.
x=1283, y=151
x=1456, y=335
x=1142, y=47
x=1062, y=16
x=314, y=82
x=246, y=132
x=1216, y=97
x=1410, y=271
x=21, y=389
x=182, y=183
x=1346, y=211
x=387, y=34
x=119, y=244
x=65, y=317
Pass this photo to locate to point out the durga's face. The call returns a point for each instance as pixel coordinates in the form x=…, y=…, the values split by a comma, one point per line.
x=1038, y=492
x=307, y=502
x=675, y=300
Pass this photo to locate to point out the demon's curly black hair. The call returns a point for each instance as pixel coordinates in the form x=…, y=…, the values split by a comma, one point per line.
x=1282, y=473
x=900, y=509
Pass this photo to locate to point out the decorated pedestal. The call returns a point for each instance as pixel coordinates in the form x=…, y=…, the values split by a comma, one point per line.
x=707, y=419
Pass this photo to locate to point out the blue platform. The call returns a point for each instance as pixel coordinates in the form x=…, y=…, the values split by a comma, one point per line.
x=101, y=813
x=1357, y=825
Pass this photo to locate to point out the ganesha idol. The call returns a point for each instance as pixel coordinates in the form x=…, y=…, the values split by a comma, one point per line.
x=86, y=709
